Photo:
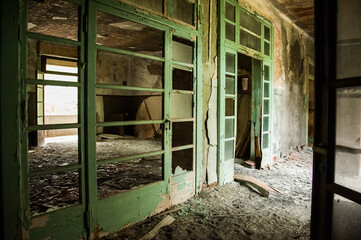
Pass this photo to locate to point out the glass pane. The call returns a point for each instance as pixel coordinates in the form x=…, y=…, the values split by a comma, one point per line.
x=155, y=5
x=229, y=85
x=229, y=126
x=266, y=89
x=346, y=219
x=266, y=107
x=52, y=148
x=40, y=93
x=39, y=62
x=267, y=49
x=182, y=105
x=230, y=32
x=182, y=161
x=348, y=60
x=250, y=41
x=267, y=33
x=266, y=73
x=182, y=50
x=182, y=80
x=54, y=191
x=40, y=109
x=229, y=150
x=230, y=62
x=121, y=33
x=126, y=107
x=265, y=140
x=348, y=132
x=250, y=23
x=265, y=124
x=229, y=107
x=124, y=141
x=230, y=12
x=125, y=70
x=182, y=133
x=122, y=176
x=54, y=18
x=183, y=10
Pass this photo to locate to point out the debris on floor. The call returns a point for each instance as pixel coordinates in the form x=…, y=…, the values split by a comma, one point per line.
x=233, y=211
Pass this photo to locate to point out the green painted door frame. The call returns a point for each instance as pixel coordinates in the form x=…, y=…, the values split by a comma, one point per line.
x=237, y=25
x=91, y=215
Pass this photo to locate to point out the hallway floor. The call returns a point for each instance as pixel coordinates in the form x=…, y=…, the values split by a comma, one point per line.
x=234, y=211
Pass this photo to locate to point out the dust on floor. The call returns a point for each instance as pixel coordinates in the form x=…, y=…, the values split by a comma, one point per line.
x=234, y=211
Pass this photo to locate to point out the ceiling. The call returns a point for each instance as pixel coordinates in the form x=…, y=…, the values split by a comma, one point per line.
x=301, y=12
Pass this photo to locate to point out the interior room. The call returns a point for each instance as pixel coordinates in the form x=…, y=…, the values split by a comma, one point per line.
x=180, y=119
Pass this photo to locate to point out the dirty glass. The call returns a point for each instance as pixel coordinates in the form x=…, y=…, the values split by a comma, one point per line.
x=229, y=107
x=53, y=191
x=118, y=105
x=229, y=125
x=230, y=32
x=229, y=85
x=121, y=33
x=348, y=39
x=230, y=12
x=182, y=161
x=348, y=131
x=266, y=90
x=125, y=141
x=181, y=105
x=54, y=18
x=182, y=50
x=118, y=177
x=346, y=216
x=266, y=107
x=267, y=49
x=265, y=140
x=265, y=124
x=155, y=5
x=184, y=10
x=267, y=33
x=266, y=73
x=182, y=133
x=182, y=80
x=39, y=62
x=250, y=23
x=230, y=62
x=229, y=150
x=250, y=40
x=126, y=70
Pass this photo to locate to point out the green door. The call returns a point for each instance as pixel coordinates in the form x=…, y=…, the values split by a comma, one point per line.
x=266, y=113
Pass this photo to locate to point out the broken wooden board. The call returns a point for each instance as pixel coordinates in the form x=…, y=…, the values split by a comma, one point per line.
x=261, y=187
x=166, y=221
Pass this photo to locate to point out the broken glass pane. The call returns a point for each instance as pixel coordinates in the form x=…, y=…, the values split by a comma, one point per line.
x=182, y=80
x=267, y=33
x=125, y=70
x=229, y=107
x=183, y=10
x=182, y=161
x=54, y=191
x=125, y=141
x=267, y=49
x=54, y=18
x=182, y=133
x=121, y=33
x=52, y=148
x=122, y=176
